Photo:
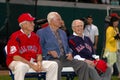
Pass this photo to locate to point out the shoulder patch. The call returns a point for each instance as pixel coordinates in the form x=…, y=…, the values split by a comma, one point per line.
x=13, y=49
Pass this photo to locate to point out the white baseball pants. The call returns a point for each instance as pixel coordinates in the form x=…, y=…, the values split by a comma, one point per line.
x=19, y=69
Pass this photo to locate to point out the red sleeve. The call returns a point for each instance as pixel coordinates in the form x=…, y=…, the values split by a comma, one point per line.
x=12, y=47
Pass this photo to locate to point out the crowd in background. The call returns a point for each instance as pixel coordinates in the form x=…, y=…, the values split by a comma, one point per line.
x=112, y=2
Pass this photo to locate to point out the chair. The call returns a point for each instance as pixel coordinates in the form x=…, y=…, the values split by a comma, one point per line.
x=67, y=72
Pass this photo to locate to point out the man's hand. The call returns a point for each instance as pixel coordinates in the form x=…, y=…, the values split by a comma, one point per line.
x=37, y=67
x=53, y=53
x=69, y=56
x=90, y=62
x=40, y=66
x=34, y=67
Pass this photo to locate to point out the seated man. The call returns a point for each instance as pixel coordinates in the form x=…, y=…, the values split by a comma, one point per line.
x=24, y=51
x=55, y=47
x=83, y=50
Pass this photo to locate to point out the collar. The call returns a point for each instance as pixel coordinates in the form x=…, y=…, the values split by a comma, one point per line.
x=77, y=35
x=24, y=33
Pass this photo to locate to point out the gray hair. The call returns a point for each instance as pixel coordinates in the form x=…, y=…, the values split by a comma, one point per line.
x=76, y=20
x=20, y=24
x=51, y=15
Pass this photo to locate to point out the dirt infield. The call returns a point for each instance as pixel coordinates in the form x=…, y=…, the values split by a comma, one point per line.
x=4, y=72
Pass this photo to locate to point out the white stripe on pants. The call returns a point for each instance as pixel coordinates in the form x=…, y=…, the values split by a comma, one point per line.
x=19, y=69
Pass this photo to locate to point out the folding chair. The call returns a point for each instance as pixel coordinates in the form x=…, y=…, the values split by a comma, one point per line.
x=68, y=72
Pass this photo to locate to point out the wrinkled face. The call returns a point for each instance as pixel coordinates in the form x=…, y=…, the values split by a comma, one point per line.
x=57, y=21
x=78, y=27
x=29, y=26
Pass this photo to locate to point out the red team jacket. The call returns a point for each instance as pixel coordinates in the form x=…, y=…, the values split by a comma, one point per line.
x=24, y=46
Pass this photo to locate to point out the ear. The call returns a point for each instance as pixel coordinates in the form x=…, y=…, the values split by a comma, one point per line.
x=72, y=28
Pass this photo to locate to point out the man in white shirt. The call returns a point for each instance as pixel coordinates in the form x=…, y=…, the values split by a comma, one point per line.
x=91, y=31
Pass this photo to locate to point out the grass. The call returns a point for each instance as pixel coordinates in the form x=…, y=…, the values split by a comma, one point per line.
x=7, y=77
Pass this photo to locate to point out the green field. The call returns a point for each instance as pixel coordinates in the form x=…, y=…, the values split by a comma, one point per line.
x=6, y=77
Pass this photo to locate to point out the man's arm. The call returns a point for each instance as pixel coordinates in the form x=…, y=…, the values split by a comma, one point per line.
x=19, y=58
x=53, y=54
x=39, y=62
x=33, y=66
x=39, y=58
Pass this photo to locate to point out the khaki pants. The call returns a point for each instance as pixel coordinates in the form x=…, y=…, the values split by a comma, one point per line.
x=19, y=69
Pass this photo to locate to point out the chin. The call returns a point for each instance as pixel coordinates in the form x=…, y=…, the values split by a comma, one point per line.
x=32, y=30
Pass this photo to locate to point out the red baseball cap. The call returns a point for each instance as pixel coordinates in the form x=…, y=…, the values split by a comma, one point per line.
x=25, y=17
x=113, y=14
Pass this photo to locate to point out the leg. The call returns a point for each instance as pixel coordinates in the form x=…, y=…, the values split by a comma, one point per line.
x=59, y=68
x=107, y=75
x=93, y=73
x=83, y=71
x=80, y=67
x=111, y=59
x=118, y=63
x=52, y=69
x=19, y=69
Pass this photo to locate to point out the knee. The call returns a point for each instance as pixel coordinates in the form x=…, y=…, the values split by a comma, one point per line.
x=109, y=70
x=92, y=69
x=84, y=64
x=21, y=66
x=54, y=64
